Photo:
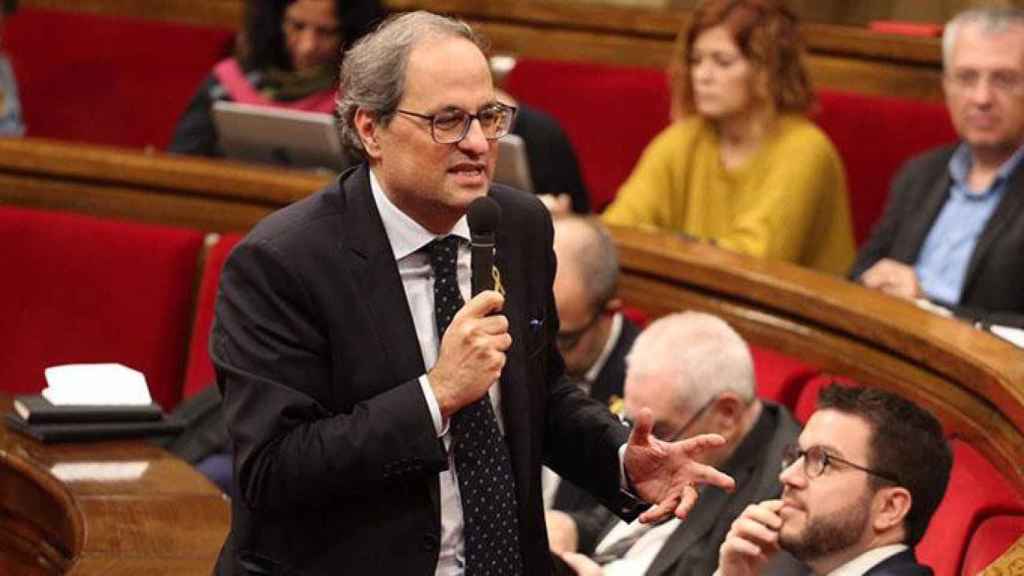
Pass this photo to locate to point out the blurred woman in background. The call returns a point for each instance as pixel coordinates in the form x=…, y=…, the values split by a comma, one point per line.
x=743, y=168
x=287, y=56
x=11, y=123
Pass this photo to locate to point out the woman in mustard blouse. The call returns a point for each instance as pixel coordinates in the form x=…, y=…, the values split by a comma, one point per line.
x=744, y=168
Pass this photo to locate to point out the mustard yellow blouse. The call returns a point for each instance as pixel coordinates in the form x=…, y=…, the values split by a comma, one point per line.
x=787, y=202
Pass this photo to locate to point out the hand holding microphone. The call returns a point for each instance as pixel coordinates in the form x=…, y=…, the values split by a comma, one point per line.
x=473, y=347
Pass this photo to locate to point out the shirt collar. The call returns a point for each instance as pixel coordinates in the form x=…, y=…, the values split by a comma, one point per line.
x=405, y=234
x=609, y=344
x=962, y=159
x=868, y=560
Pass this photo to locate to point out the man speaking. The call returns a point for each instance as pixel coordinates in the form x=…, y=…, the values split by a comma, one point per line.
x=383, y=421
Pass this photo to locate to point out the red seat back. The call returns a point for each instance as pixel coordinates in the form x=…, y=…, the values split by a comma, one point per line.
x=82, y=289
x=105, y=79
x=199, y=371
x=992, y=537
x=610, y=114
x=779, y=377
x=875, y=135
x=976, y=491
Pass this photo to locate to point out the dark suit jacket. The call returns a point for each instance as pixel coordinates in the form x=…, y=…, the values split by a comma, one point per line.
x=609, y=382
x=902, y=564
x=336, y=457
x=692, y=549
x=992, y=288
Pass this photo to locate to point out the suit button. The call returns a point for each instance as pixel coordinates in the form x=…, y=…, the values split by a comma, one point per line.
x=430, y=542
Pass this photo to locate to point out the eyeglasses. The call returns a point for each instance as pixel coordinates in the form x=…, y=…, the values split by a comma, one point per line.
x=451, y=126
x=569, y=339
x=660, y=434
x=816, y=460
x=1004, y=81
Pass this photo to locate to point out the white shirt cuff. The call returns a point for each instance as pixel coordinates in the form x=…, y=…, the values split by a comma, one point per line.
x=440, y=426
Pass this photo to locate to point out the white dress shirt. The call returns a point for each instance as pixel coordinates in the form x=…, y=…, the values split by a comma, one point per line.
x=406, y=237
x=868, y=560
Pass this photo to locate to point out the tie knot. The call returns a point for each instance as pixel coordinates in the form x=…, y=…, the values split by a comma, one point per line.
x=443, y=253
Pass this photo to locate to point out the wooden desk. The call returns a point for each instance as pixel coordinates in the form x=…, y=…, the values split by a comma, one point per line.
x=105, y=508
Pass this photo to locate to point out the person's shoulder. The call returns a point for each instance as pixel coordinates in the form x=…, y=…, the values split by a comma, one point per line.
x=930, y=158
x=798, y=130
x=292, y=226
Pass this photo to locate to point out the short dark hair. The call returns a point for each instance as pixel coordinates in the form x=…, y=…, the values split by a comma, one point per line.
x=263, y=38
x=767, y=34
x=906, y=443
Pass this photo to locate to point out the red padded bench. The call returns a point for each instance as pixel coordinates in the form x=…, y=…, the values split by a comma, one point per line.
x=108, y=80
x=82, y=289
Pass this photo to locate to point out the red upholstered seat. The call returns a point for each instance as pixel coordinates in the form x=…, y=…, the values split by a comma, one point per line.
x=83, y=289
x=779, y=377
x=875, y=135
x=610, y=114
x=108, y=80
x=992, y=537
x=976, y=491
x=199, y=371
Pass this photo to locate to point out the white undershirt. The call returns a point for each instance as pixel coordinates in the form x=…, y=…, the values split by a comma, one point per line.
x=868, y=560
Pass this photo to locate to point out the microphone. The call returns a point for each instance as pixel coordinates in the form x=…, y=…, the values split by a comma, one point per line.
x=483, y=217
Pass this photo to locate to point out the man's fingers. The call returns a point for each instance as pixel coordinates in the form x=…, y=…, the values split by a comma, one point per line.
x=694, y=445
x=687, y=503
x=704, y=474
x=496, y=324
x=642, y=425
x=483, y=304
x=658, y=511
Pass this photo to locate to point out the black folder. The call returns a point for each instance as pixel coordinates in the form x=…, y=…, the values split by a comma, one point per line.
x=35, y=409
x=86, y=431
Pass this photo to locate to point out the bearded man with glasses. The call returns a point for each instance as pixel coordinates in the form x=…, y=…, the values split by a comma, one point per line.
x=861, y=485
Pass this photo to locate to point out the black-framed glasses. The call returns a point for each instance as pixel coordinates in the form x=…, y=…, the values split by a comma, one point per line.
x=569, y=339
x=817, y=460
x=658, y=430
x=450, y=126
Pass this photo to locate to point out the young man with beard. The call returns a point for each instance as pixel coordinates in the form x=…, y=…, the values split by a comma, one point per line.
x=860, y=487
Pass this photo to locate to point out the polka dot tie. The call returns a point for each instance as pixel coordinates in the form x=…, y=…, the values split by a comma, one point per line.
x=482, y=461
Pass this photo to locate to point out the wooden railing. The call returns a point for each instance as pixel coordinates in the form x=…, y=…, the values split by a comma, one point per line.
x=151, y=187
x=972, y=380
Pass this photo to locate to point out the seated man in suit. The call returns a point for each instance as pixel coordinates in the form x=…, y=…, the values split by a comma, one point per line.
x=594, y=336
x=860, y=488
x=951, y=231
x=697, y=374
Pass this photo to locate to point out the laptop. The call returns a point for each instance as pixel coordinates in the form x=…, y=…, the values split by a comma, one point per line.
x=513, y=168
x=278, y=136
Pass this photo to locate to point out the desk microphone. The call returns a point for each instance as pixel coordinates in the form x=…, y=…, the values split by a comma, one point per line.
x=483, y=217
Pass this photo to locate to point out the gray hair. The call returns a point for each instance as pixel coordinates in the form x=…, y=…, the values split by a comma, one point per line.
x=992, y=20
x=372, y=76
x=595, y=258
x=699, y=352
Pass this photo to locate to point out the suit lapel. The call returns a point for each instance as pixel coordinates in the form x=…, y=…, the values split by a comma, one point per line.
x=514, y=396
x=367, y=253
x=697, y=524
x=1007, y=212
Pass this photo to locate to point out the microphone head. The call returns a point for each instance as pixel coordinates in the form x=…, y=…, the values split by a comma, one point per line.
x=483, y=216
